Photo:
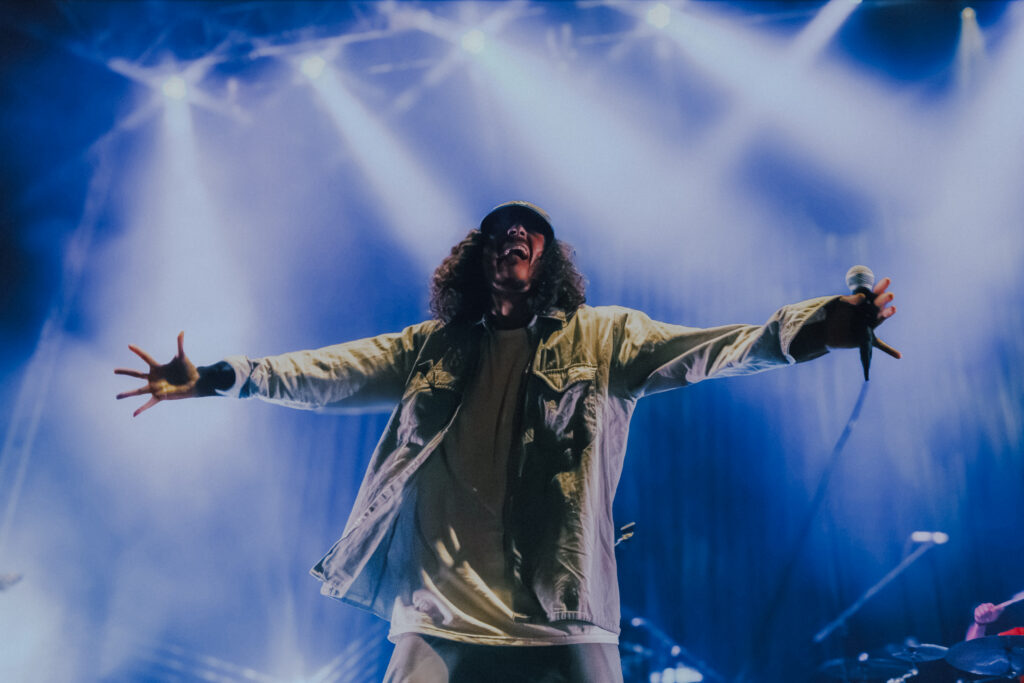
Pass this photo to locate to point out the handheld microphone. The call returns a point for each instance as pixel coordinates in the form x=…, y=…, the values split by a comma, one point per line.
x=860, y=280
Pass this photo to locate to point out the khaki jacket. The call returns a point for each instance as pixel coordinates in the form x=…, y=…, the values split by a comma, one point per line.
x=587, y=373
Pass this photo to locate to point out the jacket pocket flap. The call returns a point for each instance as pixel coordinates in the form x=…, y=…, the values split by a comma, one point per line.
x=429, y=374
x=561, y=378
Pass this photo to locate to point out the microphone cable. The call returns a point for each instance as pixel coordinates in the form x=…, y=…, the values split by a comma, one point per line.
x=798, y=544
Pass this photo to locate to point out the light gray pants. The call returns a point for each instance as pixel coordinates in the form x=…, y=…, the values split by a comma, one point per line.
x=426, y=659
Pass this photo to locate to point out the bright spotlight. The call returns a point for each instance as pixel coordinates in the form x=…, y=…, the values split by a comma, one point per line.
x=659, y=16
x=967, y=14
x=175, y=88
x=313, y=66
x=474, y=41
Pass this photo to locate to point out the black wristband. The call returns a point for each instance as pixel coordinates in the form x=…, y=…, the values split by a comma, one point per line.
x=212, y=378
x=809, y=342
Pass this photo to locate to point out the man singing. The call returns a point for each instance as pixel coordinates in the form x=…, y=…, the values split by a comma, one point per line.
x=483, y=526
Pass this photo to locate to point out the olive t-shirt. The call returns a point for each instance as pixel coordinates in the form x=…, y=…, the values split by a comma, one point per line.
x=448, y=556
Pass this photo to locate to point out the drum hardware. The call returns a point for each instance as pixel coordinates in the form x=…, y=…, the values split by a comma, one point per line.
x=865, y=668
x=914, y=652
x=999, y=656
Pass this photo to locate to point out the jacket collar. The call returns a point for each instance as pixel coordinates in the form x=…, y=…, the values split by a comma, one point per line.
x=552, y=318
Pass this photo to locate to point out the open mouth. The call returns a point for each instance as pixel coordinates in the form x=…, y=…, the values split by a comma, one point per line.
x=516, y=249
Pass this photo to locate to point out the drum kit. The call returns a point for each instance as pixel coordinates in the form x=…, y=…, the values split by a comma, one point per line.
x=997, y=658
x=649, y=654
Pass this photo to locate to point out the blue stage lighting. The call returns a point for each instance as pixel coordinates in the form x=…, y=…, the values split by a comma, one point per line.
x=474, y=41
x=659, y=16
x=313, y=66
x=175, y=88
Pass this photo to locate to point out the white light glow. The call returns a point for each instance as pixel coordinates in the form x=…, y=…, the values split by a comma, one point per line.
x=659, y=16
x=936, y=537
x=967, y=14
x=313, y=66
x=685, y=674
x=474, y=41
x=175, y=88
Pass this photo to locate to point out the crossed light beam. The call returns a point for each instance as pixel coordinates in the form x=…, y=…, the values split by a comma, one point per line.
x=415, y=204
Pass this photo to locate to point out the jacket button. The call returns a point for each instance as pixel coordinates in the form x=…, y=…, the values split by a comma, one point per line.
x=571, y=598
x=567, y=459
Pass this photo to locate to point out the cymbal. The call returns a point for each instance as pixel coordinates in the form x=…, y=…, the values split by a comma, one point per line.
x=863, y=670
x=916, y=652
x=989, y=656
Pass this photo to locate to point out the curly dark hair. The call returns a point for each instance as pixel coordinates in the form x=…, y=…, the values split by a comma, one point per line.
x=459, y=291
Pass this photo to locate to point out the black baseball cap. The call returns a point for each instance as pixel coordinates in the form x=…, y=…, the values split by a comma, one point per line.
x=530, y=216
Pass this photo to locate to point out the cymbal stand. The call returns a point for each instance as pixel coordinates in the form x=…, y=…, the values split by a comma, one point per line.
x=827, y=630
x=910, y=674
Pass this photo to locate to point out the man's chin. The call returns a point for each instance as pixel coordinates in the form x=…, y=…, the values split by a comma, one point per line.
x=510, y=285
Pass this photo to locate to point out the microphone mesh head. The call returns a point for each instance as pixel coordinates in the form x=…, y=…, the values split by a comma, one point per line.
x=859, y=276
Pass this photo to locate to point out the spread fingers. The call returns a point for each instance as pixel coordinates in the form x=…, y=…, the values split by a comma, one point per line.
x=882, y=346
x=143, y=355
x=146, y=406
x=135, y=392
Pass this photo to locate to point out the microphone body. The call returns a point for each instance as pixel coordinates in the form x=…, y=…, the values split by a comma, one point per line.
x=860, y=280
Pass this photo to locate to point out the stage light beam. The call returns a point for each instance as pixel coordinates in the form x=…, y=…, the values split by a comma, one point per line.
x=970, y=49
x=473, y=41
x=313, y=67
x=659, y=16
x=417, y=204
x=812, y=40
x=175, y=88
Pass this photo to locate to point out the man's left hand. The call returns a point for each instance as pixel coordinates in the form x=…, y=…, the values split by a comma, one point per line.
x=847, y=316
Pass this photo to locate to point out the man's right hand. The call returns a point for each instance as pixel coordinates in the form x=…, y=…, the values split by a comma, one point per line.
x=986, y=613
x=170, y=381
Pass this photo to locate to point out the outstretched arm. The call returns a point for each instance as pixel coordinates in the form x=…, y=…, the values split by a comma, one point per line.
x=358, y=375
x=652, y=356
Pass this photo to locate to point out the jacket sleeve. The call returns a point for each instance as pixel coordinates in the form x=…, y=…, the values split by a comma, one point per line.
x=652, y=356
x=366, y=374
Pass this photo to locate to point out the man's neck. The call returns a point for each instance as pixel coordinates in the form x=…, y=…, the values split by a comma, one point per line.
x=509, y=310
